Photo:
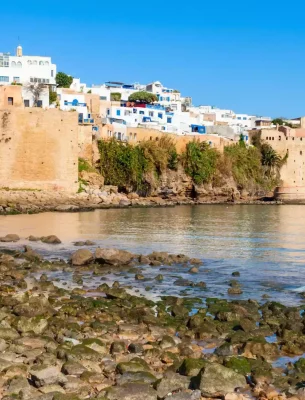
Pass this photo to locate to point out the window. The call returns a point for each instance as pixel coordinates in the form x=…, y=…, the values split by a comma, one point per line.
x=39, y=103
x=301, y=152
x=52, y=73
x=169, y=120
x=238, y=117
x=4, y=79
x=65, y=102
x=26, y=103
x=293, y=138
x=41, y=63
x=160, y=115
x=151, y=113
x=19, y=64
x=46, y=63
x=108, y=111
x=10, y=101
x=34, y=62
x=280, y=138
x=141, y=112
x=13, y=64
x=16, y=79
x=244, y=118
x=118, y=112
x=101, y=97
x=4, y=60
x=134, y=110
x=168, y=98
x=29, y=62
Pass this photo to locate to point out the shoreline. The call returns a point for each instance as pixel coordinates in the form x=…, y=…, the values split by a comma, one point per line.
x=32, y=202
x=60, y=343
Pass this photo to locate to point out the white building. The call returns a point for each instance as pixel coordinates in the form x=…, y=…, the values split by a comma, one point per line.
x=75, y=103
x=26, y=69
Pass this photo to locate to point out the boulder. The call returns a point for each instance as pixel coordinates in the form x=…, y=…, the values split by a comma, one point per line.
x=52, y=239
x=82, y=257
x=217, y=380
x=140, y=377
x=131, y=366
x=11, y=237
x=36, y=324
x=131, y=391
x=235, y=291
x=269, y=351
x=8, y=334
x=171, y=382
x=190, y=395
x=43, y=375
x=32, y=238
x=73, y=368
x=192, y=366
x=113, y=256
x=31, y=254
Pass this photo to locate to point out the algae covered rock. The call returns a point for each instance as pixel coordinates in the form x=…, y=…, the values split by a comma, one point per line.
x=238, y=364
x=133, y=377
x=217, y=380
x=131, y=391
x=192, y=366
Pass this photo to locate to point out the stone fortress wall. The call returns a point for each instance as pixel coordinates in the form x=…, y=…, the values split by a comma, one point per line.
x=38, y=149
x=283, y=140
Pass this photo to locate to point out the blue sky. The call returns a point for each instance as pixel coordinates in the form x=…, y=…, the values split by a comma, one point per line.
x=248, y=56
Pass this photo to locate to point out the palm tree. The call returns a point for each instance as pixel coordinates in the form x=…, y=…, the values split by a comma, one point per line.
x=271, y=160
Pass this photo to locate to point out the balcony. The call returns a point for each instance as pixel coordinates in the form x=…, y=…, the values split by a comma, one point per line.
x=74, y=103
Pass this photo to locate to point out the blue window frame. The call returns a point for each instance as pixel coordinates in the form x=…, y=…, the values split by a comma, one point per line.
x=244, y=118
x=238, y=117
x=108, y=111
x=169, y=120
x=4, y=79
x=160, y=115
x=118, y=112
x=103, y=98
x=141, y=112
x=168, y=98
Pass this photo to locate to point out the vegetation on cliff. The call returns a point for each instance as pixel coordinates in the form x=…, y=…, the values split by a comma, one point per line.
x=253, y=168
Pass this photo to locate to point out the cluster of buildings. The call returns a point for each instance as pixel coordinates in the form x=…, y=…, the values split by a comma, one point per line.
x=40, y=146
x=108, y=109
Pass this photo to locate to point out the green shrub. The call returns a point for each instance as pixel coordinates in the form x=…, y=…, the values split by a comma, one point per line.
x=52, y=97
x=200, y=161
x=83, y=165
x=246, y=165
x=122, y=164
